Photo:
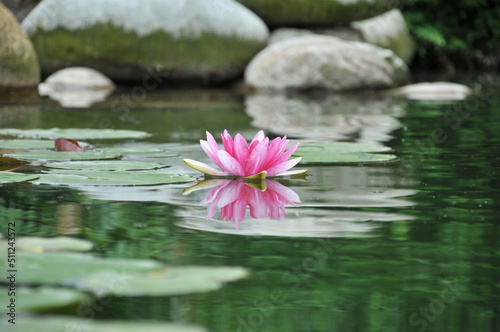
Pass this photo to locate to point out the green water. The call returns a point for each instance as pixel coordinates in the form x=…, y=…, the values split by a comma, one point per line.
x=407, y=246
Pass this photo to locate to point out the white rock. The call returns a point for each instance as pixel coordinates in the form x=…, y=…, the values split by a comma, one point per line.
x=77, y=87
x=324, y=62
x=432, y=91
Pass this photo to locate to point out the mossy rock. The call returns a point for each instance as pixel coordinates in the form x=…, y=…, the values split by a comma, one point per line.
x=280, y=13
x=148, y=42
x=19, y=66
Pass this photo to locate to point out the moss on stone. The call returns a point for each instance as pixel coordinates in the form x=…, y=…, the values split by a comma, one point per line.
x=317, y=12
x=125, y=55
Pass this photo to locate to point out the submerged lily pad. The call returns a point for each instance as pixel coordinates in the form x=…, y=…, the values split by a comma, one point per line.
x=31, y=144
x=64, y=268
x=111, y=165
x=75, y=133
x=64, y=324
x=118, y=178
x=121, y=277
x=166, y=282
x=42, y=244
x=54, y=155
x=341, y=153
x=8, y=177
x=42, y=298
x=140, y=152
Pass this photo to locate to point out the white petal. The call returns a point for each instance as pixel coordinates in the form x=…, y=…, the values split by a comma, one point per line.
x=204, y=168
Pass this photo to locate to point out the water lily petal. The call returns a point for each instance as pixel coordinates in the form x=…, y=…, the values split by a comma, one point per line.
x=283, y=191
x=259, y=136
x=212, y=143
x=213, y=193
x=205, y=184
x=256, y=159
x=230, y=193
x=230, y=164
x=227, y=141
x=287, y=154
x=206, y=147
x=204, y=168
x=240, y=151
x=239, y=212
x=283, y=167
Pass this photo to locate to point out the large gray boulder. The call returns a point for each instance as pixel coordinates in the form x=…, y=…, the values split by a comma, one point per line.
x=387, y=31
x=280, y=13
x=18, y=62
x=147, y=40
x=324, y=62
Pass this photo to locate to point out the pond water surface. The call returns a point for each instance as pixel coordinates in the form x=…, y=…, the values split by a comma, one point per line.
x=411, y=245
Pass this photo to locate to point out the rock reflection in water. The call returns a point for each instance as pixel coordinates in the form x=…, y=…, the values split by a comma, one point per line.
x=332, y=117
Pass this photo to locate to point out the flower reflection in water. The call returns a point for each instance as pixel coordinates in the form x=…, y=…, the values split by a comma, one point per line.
x=266, y=199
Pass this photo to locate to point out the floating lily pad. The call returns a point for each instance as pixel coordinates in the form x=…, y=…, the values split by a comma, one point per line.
x=121, y=277
x=342, y=152
x=340, y=147
x=32, y=144
x=118, y=178
x=140, y=152
x=111, y=165
x=54, y=155
x=345, y=158
x=8, y=177
x=64, y=324
x=166, y=282
x=75, y=133
x=43, y=244
x=42, y=298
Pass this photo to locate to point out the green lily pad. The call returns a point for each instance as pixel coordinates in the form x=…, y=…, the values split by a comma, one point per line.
x=54, y=155
x=42, y=298
x=65, y=324
x=120, y=277
x=43, y=244
x=9, y=177
x=75, y=133
x=139, y=152
x=111, y=165
x=340, y=147
x=64, y=268
x=118, y=178
x=32, y=144
x=345, y=158
x=341, y=153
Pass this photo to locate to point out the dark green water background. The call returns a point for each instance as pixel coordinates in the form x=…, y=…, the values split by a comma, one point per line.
x=425, y=258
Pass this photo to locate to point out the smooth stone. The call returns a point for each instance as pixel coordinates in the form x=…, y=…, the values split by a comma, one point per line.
x=431, y=91
x=77, y=87
x=324, y=62
x=19, y=66
x=280, y=13
x=147, y=41
x=389, y=31
x=332, y=117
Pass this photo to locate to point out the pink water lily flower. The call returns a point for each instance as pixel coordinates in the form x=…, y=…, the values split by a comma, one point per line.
x=258, y=159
